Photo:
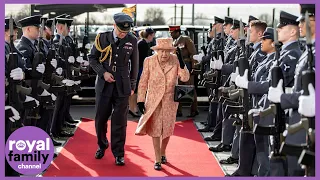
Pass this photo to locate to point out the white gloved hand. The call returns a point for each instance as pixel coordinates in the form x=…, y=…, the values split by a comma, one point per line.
x=41, y=68
x=16, y=115
x=307, y=103
x=85, y=63
x=219, y=63
x=53, y=97
x=54, y=63
x=274, y=94
x=242, y=81
x=234, y=75
x=87, y=46
x=255, y=112
x=45, y=93
x=59, y=71
x=71, y=59
x=28, y=99
x=17, y=74
x=213, y=63
x=68, y=82
x=77, y=82
x=198, y=57
x=79, y=59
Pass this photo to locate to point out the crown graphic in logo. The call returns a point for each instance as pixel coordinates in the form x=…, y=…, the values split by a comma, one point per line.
x=20, y=145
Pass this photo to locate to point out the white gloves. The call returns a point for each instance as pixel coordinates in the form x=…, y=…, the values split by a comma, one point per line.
x=274, y=94
x=212, y=63
x=85, y=63
x=17, y=74
x=59, y=71
x=54, y=63
x=234, y=75
x=41, y=68
x=87, y=46
x=79, y=59
x=45, y=93
x=307, y=103
x=68, y=82
x=53, y=97
x=16, y=115
x=242, y=81
x=71, y=59
x=77, y=82
x=198, y=57
x=255, y=112
x=28, y=99
x=218, y=63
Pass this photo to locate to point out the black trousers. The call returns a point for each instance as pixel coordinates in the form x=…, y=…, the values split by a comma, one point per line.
x=59, y=113
x=118, y=106
x=45, y=121
x=219, y=117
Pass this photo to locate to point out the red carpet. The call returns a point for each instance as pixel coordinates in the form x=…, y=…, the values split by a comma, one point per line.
x=187, y=155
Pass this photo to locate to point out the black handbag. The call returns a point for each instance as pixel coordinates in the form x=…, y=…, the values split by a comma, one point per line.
x=184, y=93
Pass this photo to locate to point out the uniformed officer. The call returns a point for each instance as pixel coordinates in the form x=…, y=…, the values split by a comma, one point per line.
x=28, y=46
x=228, y=22
x=188, y=49
x=291, y=100
x=214, y=45
x=114, y=57
x=61, y=106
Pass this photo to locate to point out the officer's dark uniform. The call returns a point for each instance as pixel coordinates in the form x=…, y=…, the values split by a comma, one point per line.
x=120, y=58
x=62, y=102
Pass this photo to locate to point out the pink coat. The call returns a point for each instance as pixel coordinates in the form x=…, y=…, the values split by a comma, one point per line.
x=156, y=89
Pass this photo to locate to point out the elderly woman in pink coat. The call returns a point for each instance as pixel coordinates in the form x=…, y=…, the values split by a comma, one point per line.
x=156, y=96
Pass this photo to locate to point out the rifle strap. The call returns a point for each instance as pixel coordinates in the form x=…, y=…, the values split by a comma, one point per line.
x=107, y=50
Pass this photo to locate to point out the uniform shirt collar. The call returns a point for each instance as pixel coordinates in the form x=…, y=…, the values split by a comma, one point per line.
x=256, y=45
x=270, y=54
x=115, y=37
x=284, y=46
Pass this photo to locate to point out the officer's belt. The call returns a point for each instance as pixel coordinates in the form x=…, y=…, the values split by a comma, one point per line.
x=121, y=68
x=187, y=60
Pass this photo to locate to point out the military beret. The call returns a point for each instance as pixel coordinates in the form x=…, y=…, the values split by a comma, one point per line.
x=268, y=33
x=174, y=28
x=218, y=20
x=64, y=21
x=304, y=8
x=123, y=21
x=287, y=19
x=7, y=21
x=227, y=21
x=31, y=21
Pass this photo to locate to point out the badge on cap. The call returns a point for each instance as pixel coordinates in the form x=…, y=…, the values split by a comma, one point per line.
x=126, y=25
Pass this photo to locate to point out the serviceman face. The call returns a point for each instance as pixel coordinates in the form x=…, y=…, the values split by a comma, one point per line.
x=267, y=45
x=62, y=29
x=287, y=33
x=235, y=33
x=303, y=27
x=174, y=34
x=15, y=34
x=218, y=27
x=119, y=33
x=227, y=29
x=163, y=54
x=32, y=31
x=255, y=34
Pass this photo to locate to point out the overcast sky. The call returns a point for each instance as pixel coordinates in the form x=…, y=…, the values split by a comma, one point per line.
x=209, y=10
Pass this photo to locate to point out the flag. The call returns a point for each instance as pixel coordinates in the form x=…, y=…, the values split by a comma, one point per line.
x=131, y=11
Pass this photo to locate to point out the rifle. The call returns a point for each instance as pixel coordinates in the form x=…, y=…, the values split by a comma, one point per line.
x=274, y=109
x=203, y=48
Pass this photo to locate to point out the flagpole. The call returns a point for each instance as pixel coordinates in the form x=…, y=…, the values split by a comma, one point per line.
x=135, y=16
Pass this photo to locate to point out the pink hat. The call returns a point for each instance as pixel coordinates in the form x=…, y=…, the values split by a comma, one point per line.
x=164, y=44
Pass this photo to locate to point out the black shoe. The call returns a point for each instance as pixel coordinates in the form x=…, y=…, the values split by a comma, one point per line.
x=157, y=166
x=206, y=129
x=179, y=114
x=100, y=153
x=233, y=174
x=72, y=121
x=204, y=123
x=69, y=125
x=54, y=135
x=230, y=160
x=212, y=138
x=193, y=114
x=133, y=114
x=163, y=160
x=66, y=134
x=119, y=161
x=55, y=143
x=221, y=148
